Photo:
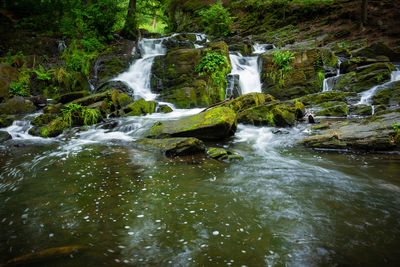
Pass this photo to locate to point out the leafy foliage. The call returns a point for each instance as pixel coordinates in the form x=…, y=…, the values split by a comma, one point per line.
x=18, y=88
x=283, y=59
x=77, y=114
x=396, y=126
x=43, y=74
x=217, y=20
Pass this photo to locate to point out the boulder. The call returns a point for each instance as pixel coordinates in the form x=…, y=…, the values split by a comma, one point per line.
x=119, y=99
x=360, y=110
x=353, y=63
x=376, y=49
x=164, y=109
x=140, y=107
x=373, y=134
x=364, y=77
x=324, y=97
x=4, y=136
x=91, y=99
x=223, y=154
x=335, y=109
x=174, y=147
x=388, y=96
x=273, y=114
x=68, y=97
x=6, y=120
x=213, y=124
x=115, y=85
x=17, y=105
x=248, y=101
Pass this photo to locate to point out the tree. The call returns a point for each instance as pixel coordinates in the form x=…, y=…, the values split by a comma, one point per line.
x=364, y=12
x=130, y=28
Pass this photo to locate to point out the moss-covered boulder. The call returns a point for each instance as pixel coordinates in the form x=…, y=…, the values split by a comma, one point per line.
x=69, y=97
x=6, y=120
x=324, y=97
x=334, y=109
x=360, y=110
x=213, y=124
x=303, y=76
x=353, y=63
x=377, y=49
x=17, y=105
x=174, y=147
x=91, y=99
x=53, y=129
x=175, y=79
x=223, y=154
x=248, y=101
x=4, y=136
x=373, y=134
x=164, y=109
x=365, y=77
x=43, y=119
x=388, y=96
x=119, y=99
x=140, y=107
x=273, y=114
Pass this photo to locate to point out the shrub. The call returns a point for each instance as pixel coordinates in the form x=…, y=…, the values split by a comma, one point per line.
x=213, y=64
x=216, y=20
x=283, y=59
x=42, y=74
x=18, y=88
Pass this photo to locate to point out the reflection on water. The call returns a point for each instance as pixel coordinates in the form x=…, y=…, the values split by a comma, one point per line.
x=281, y=205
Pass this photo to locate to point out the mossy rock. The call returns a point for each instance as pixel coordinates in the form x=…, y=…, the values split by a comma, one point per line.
x=377, y=49
x=54, y=128
x=334, y=110
x=89, y=100
x=120, y=100
x=361, y=110
x=174, y=147
x=364, y=77
x=213, y=124
x=164, y=109
x=320, y=127
x=248, y=101
x=223, y=154
x=43, y=119
x=6, y=120
x=353, y=63
x=55, y=109
x=388, y=96
x=109, y=66
x=4, y=136
x=68, y=97
x=17, y=105
x=329, y=96
x=274, y=114
x=140, y=107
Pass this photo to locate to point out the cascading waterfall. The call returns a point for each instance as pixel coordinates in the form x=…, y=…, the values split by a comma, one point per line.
x=366, y=96
x=248, y=70
x=330, y=82
x=139, y=73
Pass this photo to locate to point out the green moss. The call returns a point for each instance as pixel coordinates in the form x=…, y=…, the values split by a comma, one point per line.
x=336, y=111
x=247, y=101
x=140, y=107
x=54, y=128
x=320, y=127
x=325, y=97
x=382, y=97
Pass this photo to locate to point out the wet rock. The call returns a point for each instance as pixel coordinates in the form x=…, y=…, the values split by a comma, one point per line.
x=6, y=120
x=174, y=147
x=68, y=97
x=119, y=99
x=39, y=100
x=273, y=114
x=377, y=49
x=320, y=127
x=109, y=125
x=389, y=96
x=8, y=74
x=115, y=85
x=360, y=110
x=43, y=119
x=17, y=105
x=91, y=99
x=373, y=134
x=215, y=123
x=140, y=107
x=4, y=136
x=54, y=109
x=353, y=63
x=164, y=109
x=184, y=40
x=223, y=154
x=248, y=101
x=233, y=87
x=364, y=77
x=335, y=109
x=329, y=96
x=310, y=119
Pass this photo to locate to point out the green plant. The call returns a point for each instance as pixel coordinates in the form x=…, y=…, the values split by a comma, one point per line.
x=320, y=77
x=396, y=126
x=18, y=88
x=213, y=64
x=379, y=78
x=283, y=59
x=216, y=20
x=77, y=114
x=42, y=74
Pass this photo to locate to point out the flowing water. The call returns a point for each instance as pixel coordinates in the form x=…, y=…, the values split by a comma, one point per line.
x=330, y=82
x=282, y=205
x=248, y=70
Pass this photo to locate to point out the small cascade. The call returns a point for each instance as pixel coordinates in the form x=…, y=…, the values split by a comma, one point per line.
x=20, y=128
x=366, y=96
x=201, y=38
x=330, y=82
x=138, y=75
x=248, y=70
x=61, y=46
x=262, y=48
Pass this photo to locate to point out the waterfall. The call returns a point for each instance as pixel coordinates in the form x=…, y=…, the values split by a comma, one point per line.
x=138, y=75
x=248, y=70
x=330, y=82
x=366, y=96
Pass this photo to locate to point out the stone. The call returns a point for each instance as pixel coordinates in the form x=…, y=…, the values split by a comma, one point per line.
x=248, y=101
x=360, y=110
x=213, y=124
x=91, y=99
x=335, y=109
x=376, y=49
x=223, y=154
x=174, y=147
x=6, y=120
x=324, y=97
x=17, y=105
x=372, y=134
x=164, y=109
x=140, y=107
x=68, y=97
x=115, y=85
x=4, y=136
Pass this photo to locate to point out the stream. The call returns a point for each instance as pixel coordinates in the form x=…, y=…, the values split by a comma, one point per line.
x=282, y=205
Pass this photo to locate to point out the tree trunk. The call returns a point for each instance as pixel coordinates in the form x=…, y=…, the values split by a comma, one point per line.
x=130, y=28
x=364, y=12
